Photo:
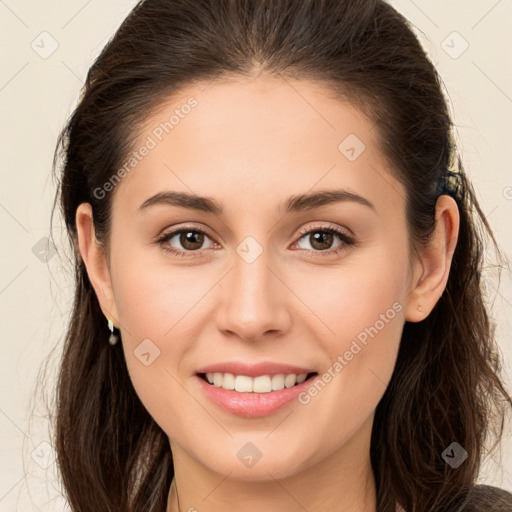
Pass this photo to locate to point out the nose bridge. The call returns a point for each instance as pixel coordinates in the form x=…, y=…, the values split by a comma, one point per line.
x=251, y=272
x=252, y=278
x=254, y=302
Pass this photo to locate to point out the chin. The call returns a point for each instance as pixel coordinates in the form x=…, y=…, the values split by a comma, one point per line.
x=256, y=460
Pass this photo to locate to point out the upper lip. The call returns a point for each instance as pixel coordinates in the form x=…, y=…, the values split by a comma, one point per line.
x=253, y=370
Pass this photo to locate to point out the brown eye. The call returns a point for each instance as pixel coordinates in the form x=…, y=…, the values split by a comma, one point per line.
x=191, y=240
x=185, y=241
x=321, y=240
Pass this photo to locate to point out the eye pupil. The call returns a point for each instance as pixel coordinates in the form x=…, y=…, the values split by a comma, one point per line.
x=191, y=237
x=321, y=236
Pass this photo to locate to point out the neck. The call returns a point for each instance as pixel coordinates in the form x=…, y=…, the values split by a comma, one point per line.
x=277, y=496
x=343, y=482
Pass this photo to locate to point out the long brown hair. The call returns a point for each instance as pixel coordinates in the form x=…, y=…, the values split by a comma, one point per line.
x=446, y=386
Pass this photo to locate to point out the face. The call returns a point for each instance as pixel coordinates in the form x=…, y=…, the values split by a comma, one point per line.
x=321, y=285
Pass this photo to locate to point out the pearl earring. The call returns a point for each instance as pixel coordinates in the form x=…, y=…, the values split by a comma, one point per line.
x=113, y=338
x=420, y=309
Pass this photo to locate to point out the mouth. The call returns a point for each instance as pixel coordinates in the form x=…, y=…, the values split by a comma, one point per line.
x=253, y=396
x=260, y=384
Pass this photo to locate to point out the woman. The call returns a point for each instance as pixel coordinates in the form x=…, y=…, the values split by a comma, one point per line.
x=278, y=270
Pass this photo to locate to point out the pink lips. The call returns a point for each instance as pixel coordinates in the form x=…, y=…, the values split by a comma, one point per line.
x=252, y=405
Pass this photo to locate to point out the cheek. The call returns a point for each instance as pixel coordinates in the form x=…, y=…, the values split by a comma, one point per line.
x=153, y=298
x=347, y=299
x=158, y=306
x=361, y=315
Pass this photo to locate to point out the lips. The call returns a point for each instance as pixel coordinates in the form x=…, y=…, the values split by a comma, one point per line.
x=254, y=370
x=252, y=404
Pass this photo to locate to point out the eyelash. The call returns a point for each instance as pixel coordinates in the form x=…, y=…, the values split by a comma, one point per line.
x=347, y=240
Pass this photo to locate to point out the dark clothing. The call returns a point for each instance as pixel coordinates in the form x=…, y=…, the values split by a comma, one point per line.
x=486, y=498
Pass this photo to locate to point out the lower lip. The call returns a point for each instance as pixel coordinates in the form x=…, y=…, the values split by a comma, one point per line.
x=253, y=405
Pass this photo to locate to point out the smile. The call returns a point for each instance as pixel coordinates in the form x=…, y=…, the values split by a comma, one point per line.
x=259, y=384
x=253, y=397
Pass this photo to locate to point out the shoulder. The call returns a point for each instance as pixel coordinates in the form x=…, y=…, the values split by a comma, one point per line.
x=483, y=498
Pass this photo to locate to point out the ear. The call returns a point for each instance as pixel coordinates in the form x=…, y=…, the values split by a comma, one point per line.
x=431, y=270
x=95, y=260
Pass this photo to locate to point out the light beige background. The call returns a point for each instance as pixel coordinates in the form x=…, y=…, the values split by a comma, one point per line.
x=38, y=92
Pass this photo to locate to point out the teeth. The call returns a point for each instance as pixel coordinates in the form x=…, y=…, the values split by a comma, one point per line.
x=260, y=384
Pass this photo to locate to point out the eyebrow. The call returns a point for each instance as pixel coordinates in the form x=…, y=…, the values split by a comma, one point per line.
x=295, y=203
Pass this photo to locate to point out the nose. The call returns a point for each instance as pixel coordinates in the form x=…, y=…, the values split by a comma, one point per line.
x=254, y=301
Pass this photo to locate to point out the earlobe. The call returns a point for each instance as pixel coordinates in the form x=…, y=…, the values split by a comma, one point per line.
x=95, y=261
x=435, y=262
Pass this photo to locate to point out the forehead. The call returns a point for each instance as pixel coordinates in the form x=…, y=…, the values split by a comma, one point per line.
x=256, y=141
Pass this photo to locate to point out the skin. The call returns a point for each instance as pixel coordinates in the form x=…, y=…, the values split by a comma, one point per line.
x=251, y=144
